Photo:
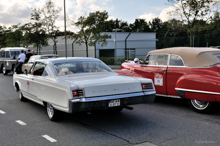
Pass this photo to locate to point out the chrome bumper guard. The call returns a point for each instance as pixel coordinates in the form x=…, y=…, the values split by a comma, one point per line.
x=83, y=104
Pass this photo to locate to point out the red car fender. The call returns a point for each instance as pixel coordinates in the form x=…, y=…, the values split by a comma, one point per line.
x=199, y=87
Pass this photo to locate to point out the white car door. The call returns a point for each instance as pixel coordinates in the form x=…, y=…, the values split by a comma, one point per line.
x=34, y=86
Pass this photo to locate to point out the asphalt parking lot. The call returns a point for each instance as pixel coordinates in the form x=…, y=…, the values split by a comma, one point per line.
x=165, y=122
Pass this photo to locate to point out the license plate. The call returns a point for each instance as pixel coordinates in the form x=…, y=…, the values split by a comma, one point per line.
x=114, y=103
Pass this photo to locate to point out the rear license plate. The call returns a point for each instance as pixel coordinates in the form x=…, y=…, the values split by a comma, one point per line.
x=113, y=103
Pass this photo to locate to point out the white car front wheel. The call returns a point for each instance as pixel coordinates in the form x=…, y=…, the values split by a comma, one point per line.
x=20, y=95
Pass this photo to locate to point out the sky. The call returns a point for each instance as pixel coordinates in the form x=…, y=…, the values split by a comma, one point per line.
x=13, y=12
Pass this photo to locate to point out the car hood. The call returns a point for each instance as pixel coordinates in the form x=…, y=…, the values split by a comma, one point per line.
x=105, y=84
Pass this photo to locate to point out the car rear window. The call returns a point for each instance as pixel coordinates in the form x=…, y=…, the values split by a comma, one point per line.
x=67, y=68
x=176, y=60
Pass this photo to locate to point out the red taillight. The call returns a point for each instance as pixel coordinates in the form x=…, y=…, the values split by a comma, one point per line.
x=77, y=93
x=147, y=86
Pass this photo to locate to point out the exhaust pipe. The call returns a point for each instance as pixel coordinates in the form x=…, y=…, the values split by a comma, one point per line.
x=128, y=107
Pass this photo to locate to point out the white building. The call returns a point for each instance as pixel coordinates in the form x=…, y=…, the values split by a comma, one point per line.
x=125, y=44
x=119, y=44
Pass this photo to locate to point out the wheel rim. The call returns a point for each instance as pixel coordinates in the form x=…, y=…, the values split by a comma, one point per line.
x=4, y=70
x=200, y=105
x=50, y=110
x=20, y=94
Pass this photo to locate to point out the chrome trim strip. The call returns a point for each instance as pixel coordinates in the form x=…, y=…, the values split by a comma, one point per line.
x=197, y=91
x=168, y=96
x=149, y=92
x=113, y=97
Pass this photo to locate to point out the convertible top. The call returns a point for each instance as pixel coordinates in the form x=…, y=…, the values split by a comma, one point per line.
x=193, y=56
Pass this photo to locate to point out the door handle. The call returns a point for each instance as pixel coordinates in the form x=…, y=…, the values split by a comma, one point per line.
x=163, y=70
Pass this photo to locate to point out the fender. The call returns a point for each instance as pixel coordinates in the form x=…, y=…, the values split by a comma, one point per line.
x=199, y=87
x=19, y=85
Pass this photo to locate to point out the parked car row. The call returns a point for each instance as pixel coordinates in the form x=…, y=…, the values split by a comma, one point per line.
x=182, y=72
x=82, y=84
x=9, y=55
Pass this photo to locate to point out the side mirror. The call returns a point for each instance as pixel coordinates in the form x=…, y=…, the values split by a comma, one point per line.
x=25, y=71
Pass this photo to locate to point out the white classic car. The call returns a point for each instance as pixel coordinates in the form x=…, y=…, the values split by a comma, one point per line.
x=80, y=84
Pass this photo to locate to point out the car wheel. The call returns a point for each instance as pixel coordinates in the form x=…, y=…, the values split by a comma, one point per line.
x=20, y=95
x=13, y=69
x=201, y=106
x=1, y=69
x=52, y=113
x=115, y=109
x=5, y=72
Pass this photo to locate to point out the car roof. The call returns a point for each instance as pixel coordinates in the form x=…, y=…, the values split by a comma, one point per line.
x=13, y=49
x=68, y=59
x=49, y=55
x=193, y=56
x=45, y=55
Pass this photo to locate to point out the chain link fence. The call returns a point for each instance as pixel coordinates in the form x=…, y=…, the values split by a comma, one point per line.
x=202, y=40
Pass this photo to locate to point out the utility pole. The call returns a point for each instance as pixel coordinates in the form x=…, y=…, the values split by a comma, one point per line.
x=65, y=27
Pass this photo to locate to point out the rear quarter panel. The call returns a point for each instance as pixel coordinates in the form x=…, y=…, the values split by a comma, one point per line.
x=204, y=81
x=53, y=92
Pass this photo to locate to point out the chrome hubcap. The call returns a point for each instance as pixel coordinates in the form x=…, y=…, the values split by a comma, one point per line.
x=19, y=94
x=3, y=69
x=50, y=110
x=200, y=105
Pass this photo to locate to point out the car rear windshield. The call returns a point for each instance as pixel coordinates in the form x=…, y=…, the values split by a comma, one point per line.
x=76, y=67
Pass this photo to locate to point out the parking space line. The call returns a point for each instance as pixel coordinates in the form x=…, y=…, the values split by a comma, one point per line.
x=21, y=123
x=49, y=138
x=2, y=112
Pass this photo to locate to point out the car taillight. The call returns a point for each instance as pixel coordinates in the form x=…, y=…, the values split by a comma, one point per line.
x=147, y=86
x=77, y=93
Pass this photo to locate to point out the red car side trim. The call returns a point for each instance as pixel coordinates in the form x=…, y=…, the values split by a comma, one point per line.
x=197, y=91
x=168, y=96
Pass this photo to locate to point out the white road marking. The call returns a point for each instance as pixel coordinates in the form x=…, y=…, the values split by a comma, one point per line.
x=21, y=123
x=145, y=144
x=49, y=138
x=2, y=112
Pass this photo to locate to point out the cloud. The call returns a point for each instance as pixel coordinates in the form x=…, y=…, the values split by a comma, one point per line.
x=164, y=15
x=13, y=12
x=148, y=16
x=19, y=11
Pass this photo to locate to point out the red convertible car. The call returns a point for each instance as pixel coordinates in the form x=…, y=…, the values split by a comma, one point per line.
x=181, y=72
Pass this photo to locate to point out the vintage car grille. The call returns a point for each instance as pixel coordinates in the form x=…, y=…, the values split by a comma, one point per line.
x=147, y=86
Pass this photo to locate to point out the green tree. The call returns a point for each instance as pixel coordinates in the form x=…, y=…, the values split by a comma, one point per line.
x=192, y=10
x=140, y=25
x=38, y=34
x=27, y=31
x=2, y=36
x=49, y=14
x=90, y=28
x=14, y=36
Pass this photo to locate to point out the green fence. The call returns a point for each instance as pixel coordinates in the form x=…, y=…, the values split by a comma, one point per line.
x=202, y=40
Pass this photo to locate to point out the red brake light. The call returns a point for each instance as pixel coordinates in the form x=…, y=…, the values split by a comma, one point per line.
x=77, y=93
x=147, y=86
